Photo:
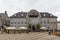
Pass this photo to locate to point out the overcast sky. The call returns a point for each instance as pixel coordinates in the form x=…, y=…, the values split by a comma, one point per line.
x=13, y=6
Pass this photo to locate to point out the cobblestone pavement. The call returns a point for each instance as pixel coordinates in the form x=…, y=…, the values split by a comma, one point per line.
x=29, y=36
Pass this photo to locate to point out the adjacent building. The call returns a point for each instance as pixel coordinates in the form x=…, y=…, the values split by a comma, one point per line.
x=33, y=17
x=3, y=19
x=58, y=25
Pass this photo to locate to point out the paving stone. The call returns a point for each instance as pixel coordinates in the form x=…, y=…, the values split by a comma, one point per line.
x=30, y=36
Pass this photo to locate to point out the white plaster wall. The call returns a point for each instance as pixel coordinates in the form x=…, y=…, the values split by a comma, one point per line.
x=50, y=25
x=34, y=20
x=18, y=20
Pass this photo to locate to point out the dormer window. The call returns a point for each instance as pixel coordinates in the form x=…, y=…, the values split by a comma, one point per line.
x=21, y=14
x=44, y=15
x=15, y=15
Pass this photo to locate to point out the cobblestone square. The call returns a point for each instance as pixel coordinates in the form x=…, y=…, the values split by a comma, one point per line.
x=29, y=36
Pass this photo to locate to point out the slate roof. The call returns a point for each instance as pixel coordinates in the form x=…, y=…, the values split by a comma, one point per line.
x=47, y=15
x=3, y=15
x=19, y=15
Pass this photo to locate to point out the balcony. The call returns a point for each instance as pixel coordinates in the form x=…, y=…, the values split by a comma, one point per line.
x=33, y=15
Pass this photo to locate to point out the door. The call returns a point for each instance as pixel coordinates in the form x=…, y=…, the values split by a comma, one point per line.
x=33, y=28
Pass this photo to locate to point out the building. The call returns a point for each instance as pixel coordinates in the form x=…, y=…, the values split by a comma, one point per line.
x=3, y=18
x=58, y=25
x=33, y=17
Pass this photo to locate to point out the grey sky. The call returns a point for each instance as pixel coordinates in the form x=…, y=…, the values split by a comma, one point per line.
x=13, y=6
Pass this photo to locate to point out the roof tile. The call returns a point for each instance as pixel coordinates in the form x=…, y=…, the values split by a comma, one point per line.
x=43, y=15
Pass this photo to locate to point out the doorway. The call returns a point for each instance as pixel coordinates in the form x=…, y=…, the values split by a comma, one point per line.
x=33, y=28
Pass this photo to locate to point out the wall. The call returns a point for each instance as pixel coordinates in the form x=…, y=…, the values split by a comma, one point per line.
x=18, y=22
x=58, y=26
x=49, y=22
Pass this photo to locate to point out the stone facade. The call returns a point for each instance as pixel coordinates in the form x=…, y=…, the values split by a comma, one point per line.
x=18, y=22
x=33, y=17
x=49, y=22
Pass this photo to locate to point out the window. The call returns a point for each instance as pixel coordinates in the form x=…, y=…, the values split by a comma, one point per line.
x=44, y=15
x=54, y=22
x=21, y=14
x=47, y=22
x=21, y=22
x=25, y=22
x=18, y=22
x=15, y=22
x=11, y=22
x=51, y=22
x=44, y=21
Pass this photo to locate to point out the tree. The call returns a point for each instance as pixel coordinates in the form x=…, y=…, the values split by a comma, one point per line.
x=29, y=26
x=38, y=26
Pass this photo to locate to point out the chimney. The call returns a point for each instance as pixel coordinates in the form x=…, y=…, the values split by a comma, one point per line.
x=5, y=12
